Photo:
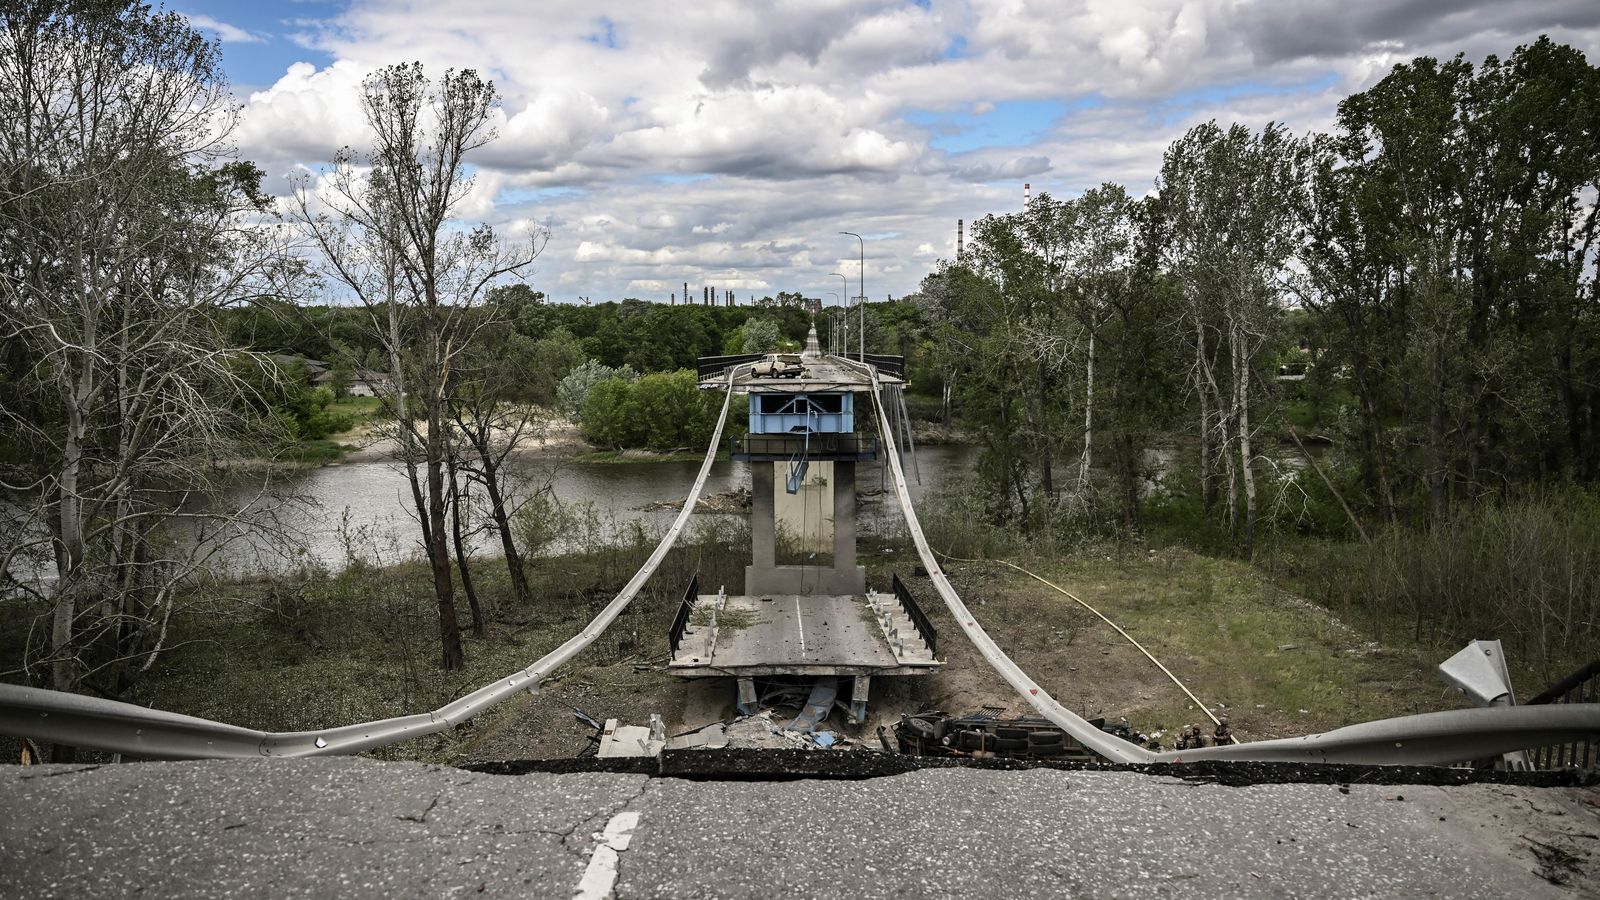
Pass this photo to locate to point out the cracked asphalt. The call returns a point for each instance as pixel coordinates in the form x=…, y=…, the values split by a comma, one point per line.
x=354, y=827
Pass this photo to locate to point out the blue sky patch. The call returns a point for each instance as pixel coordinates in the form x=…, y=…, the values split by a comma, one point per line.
x=514, y=195
x=265, y=44
x=1012, y=123
x=605, y=35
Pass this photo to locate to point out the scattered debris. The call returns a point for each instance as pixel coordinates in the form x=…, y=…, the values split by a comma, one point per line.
x=630, y=740
x=1557, y=865
x=728, y=502
x=759, y=732
x=982, y=736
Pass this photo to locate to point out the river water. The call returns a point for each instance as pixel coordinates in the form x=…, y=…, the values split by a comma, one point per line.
x=365, y=508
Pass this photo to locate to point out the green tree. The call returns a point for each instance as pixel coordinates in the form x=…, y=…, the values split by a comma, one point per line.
x=758, y=334
x=1229, y=197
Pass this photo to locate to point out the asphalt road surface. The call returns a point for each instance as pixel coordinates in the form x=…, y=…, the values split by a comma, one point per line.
x=352, y=827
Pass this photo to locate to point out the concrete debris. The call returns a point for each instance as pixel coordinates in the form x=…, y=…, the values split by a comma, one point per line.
x=711, y=737
x=759, y=732
x=627, y=740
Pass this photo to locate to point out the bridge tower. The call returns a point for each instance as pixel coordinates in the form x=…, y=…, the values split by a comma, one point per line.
x=802, y=449
x=806, y=609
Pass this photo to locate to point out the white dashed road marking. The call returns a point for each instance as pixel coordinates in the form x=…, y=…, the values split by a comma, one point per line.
x=601, y=875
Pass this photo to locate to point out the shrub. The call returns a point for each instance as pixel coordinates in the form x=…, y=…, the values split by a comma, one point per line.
x=1526, y=572
x=572, y=394
x=661, y=411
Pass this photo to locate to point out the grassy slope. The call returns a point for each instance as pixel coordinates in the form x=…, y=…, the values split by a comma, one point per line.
x=1217, y=624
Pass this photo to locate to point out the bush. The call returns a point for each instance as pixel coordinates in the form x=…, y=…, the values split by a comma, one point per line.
x=572, y=394
x=1526, y=572
x=956, y=521
x=661, y=411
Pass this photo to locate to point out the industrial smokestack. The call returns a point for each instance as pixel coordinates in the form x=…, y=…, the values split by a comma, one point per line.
x=961, y=238
x=1027, y=195
x=674, y=299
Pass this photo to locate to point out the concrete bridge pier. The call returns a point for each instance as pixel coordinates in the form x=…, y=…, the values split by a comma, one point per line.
x=765, y=576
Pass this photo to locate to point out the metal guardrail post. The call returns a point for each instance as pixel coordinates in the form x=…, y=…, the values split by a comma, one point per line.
x=1582, y=686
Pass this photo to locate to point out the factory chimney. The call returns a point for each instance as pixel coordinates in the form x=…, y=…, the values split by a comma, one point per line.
x=1027, y=195
x=961, y=238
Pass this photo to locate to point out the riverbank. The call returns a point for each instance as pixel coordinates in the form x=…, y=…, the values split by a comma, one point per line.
x=554, y=437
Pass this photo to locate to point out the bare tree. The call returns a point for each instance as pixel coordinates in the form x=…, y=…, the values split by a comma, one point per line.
x=1230, y=197
x=494, y=420
x=125, y=228
x=386, y=228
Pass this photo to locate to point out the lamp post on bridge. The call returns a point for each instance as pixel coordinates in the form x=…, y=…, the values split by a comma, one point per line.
x=845, y=285
x=862, y=274
x=833, y=342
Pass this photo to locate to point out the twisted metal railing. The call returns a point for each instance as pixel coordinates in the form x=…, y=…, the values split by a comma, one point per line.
x=680, y=622
x=1582, y=686
x=908, y=602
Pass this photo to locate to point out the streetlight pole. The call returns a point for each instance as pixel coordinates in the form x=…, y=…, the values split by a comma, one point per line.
x=833, y=342
x=862, y=272
x=845, y=286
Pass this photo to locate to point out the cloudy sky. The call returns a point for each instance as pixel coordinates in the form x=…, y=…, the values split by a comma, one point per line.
x=727, y=143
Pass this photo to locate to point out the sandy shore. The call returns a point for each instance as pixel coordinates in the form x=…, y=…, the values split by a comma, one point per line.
x=558, y=437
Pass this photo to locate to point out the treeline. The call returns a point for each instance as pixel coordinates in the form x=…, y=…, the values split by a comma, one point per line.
x=647, y=337
x=1429, y=269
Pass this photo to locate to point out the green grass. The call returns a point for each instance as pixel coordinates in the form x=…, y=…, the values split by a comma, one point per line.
x=360, y=408
x=1217, y=624
x=315, y=453
x=317, y=650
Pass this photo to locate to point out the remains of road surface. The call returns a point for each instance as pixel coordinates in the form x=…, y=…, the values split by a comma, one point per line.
x=363, y=828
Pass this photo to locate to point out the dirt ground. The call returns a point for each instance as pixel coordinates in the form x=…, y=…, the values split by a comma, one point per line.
x=1271, y=662
x=545, y=727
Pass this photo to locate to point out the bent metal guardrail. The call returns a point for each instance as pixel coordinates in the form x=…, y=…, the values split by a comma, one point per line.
x=1439, y=738
x=155, y=734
